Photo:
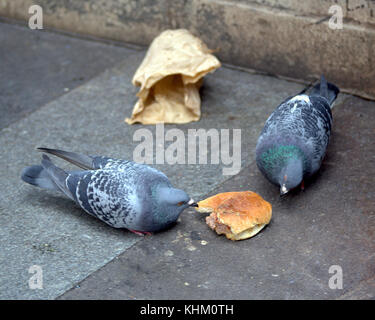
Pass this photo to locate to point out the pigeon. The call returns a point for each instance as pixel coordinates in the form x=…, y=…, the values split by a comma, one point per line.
x=293, y=142
x=122, y=193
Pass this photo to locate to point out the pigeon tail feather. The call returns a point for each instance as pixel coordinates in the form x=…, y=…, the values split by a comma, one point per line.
x=326, y=89
x=57, y=175
x=80, y=160
x=37, y=176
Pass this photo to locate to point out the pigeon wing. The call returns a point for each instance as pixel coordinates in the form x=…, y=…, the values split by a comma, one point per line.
x=105, y=194
x=84, y=161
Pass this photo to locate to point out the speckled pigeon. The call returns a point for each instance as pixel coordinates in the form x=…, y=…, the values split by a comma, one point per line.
x=293, y=142
x=123, y=194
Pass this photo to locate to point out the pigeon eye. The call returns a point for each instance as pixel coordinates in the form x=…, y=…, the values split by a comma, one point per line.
x=180, y=203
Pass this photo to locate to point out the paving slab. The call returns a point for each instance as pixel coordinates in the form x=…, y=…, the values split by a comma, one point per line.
x=37, y=66
x=331, y=223
x=45, y=229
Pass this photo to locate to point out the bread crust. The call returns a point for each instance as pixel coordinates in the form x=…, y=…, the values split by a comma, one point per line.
x=212, y=203
x=238, y=215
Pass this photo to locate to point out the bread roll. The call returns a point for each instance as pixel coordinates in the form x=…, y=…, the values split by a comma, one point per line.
x=238, y=215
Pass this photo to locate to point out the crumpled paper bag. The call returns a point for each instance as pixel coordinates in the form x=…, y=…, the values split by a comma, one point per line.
x=170, y=77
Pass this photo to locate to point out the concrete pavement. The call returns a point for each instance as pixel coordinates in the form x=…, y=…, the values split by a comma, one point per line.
x=38, y=67
x=331, y=223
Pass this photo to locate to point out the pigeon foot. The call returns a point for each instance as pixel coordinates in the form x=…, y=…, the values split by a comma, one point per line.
x=141, y=233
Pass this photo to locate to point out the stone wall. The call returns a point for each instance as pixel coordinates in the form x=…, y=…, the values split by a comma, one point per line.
x=288, y=38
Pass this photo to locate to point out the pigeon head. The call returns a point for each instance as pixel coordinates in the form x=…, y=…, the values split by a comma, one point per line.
x=291, y=175
x=282, y=165
x=170, y=203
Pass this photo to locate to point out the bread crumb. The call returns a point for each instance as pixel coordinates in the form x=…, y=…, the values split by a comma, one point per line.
x=168, y=253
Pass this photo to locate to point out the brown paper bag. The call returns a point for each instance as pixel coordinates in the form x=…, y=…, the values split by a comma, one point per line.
x=170, y=76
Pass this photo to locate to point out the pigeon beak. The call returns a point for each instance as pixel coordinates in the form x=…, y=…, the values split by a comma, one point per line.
x=283, y=190
x=192, y=203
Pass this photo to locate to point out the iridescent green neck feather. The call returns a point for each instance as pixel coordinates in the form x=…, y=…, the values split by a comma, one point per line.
x=278, y=157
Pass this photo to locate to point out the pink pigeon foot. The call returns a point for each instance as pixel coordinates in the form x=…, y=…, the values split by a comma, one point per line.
x=141, y=233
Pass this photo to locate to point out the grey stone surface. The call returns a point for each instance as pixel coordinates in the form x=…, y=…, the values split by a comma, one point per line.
x=330, y=223
x=37, y=67
x=39, y=227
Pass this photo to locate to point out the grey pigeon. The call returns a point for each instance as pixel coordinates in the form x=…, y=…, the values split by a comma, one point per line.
x=293, y=142
x=123, y=194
